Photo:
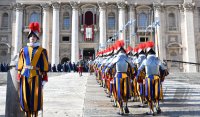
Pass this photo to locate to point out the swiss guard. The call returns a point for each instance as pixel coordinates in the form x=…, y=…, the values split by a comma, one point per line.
x=32, y=73
x=141, y=76
x=121, y=62
x=152, y=66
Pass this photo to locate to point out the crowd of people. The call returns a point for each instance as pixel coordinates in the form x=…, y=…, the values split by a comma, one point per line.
x=69, y=67
x=131, y=74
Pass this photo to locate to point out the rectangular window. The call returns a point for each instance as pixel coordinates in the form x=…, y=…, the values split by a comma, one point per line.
x=111, y=22
x=65, y=39
x=66, y=23
x=142, y=39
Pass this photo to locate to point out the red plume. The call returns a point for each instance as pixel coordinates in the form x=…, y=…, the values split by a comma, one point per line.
x=135, y=49
x=121, y=43
x=31, y=26
x=129, y=49
x=142, y=46
x=150, y=44
x=34, y=26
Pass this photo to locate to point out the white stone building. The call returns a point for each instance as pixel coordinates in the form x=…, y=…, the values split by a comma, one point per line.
x=76, y=29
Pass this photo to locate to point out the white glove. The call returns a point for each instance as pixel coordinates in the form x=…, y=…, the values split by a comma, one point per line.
x=43, y=83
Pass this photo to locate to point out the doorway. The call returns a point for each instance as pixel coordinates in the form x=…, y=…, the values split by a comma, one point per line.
x=87, y=53
x=65, y=59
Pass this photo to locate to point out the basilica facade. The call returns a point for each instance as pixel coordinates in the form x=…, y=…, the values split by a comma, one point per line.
x=78, y=29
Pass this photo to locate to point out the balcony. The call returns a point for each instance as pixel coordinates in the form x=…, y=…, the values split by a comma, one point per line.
x=143, y=29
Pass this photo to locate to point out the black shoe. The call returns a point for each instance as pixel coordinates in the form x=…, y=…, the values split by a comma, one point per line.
x=150, y=113
x=126, y=110
x=158, y=110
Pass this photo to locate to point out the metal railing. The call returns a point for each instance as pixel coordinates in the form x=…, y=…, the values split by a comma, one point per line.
x=175, y=61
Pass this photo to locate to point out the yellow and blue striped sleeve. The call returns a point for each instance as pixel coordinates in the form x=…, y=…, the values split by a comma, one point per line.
x=21, y=60
x=45, y=60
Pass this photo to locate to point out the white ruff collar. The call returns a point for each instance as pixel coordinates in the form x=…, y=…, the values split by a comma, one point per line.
x=33, y=44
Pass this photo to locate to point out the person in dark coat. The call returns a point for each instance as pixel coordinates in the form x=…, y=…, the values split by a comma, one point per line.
x=70, y=65
x=54, y=68
x=74, y=67
x=49, y=67
x=2, y=68
x=59, y=67
x=63, y=67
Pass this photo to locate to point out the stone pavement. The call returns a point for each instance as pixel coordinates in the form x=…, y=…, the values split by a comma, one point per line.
x=180, y=99
x=68, y=95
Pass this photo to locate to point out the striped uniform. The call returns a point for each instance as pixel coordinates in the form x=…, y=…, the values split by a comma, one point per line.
x=31, y=95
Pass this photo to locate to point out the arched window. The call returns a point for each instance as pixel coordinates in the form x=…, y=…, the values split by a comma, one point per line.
x=143, y=20
x=111, y=21
x=66, y=21
x=172, y=20
x=4, y=22
x=88, y=18
x=35, y=17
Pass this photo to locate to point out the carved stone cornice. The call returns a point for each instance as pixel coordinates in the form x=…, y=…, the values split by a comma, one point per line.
x=180, y=7
x=56, y=5
x=45, y=6
x=74, y=5
x=188, y=6
x=121, y=5
x=18, y=6
x=102, y=5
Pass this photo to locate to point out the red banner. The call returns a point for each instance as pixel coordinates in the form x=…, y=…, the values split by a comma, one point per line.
x=88, y=33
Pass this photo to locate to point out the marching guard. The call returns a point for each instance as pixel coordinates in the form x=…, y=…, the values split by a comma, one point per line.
x=32, y=73
x=121, y=63
x=141, y=76
x=152, y=65
x=125, y=74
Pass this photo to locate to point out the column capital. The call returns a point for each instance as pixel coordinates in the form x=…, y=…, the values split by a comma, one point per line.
x=132, y=7
x=180, y=7
x=56, y=5
x=45, y=6
x=121, y=5
x=74, y=5
x=188, y=6
x=158, y=6
x=102, y=5
x=18, y=6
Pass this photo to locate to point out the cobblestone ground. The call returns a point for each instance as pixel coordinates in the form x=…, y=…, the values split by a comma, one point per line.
x=68, y=95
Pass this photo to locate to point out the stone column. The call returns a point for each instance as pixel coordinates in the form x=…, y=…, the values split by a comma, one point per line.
x=18, y=28
x=189, y=42
x=102, y=24
x=55, y=34
x=132, y=26
x=122, y=19
x=45, y=26
x=75, y=31
x=158, y=37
